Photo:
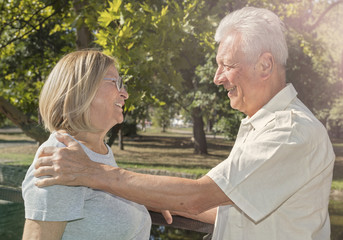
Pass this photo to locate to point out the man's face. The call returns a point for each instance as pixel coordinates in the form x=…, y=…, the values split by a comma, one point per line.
x=236, y=76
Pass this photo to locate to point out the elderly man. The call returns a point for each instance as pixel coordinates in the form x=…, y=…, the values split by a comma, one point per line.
x=276, y=182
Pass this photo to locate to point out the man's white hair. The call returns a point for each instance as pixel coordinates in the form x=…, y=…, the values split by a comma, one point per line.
x=260, y=31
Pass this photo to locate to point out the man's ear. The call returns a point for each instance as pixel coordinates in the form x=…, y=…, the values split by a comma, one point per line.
x=265, y=65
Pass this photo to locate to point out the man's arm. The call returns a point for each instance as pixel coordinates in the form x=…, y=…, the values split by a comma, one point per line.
x=175, y=194
x=208, y=216
x=71, y=166
x=36, y=230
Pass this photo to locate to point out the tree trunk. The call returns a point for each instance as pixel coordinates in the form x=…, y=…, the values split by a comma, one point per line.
x=84, y=36
x=341, y=67
x=200, y=144
x=116, y=131
x=29, y=126
x=120, y=139
x=164, y=127
x=113, y=134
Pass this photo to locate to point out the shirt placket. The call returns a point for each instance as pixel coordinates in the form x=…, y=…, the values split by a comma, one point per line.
x=243, y=133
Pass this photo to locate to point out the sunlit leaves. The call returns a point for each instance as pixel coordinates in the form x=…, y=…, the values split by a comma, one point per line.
x=32, y=38
x=114, y=5
x=20, y=18
x=107, y=17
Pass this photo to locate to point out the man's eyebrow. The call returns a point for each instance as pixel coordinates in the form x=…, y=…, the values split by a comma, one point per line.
x=220, y=60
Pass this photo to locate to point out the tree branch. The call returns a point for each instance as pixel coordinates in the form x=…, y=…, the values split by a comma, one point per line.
x=29, y=127
x=33, y=27
x=320, y=18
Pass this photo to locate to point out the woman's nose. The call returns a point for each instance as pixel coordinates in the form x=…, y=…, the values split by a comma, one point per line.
x=124, y=93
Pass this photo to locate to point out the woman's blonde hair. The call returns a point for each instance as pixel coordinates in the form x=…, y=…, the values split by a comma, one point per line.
x=70, y=88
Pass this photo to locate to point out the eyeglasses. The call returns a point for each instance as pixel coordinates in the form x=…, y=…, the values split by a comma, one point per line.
x=118, y=81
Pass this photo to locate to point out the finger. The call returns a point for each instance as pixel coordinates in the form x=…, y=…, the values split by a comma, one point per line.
x=45, y=182
x=167, y=216
x=65, y=139
x=43, y=161
x=47, y=151
x=44, y=171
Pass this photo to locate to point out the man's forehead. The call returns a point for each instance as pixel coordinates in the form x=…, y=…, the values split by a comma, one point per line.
x=225, y=48
x=228, y=48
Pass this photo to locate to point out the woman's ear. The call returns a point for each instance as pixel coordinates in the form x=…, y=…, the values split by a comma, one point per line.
x=265, y=65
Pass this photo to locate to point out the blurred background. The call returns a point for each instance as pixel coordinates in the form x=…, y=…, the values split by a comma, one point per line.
x=166, y=53
x=175, y=117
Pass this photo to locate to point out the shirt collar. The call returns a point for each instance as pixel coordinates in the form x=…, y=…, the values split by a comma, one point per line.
x=267, y=113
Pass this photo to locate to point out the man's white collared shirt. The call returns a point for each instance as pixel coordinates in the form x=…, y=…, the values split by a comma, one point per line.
x=278, y=174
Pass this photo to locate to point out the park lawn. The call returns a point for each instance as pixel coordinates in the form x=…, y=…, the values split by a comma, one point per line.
x=170, y=152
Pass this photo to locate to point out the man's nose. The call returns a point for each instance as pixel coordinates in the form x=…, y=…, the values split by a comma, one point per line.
x=219, y=77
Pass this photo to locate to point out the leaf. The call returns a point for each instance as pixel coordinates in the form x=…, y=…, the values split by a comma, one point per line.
x=114, y=6
x=130, y=45
x=164, y=11
x=57, y=28
x=106, y=18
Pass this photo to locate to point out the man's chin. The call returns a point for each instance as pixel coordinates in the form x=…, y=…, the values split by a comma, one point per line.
x=234, y=106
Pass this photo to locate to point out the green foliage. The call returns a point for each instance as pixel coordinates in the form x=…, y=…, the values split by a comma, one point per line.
x=121, y=35
x=159, y=47
x=169, y=47
x=314, y=67
x=335, y=119
x=309, y=71
x=228, y=124
x=162, y=116
x=166, y=52
x=30, y=44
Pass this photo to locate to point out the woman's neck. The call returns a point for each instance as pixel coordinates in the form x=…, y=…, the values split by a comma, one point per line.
x=94, y=141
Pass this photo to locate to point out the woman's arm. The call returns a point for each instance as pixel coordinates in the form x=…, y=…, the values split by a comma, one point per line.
x=41, y=230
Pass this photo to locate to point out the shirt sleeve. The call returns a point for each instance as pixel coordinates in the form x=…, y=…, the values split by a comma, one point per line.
x=53, y=203
x=263, y=173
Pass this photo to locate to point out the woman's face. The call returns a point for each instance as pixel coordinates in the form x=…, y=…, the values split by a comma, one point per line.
x=107, y=106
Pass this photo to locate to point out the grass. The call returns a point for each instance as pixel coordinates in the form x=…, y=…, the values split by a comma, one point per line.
x=337, y=184
x=336, y=219
x=17, y=158
x=171, y=151
x=195, y=172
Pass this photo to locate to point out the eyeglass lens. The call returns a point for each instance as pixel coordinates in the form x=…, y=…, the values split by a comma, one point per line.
x=118, y=81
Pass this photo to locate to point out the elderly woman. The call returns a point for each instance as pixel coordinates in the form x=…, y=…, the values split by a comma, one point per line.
x=83, y=98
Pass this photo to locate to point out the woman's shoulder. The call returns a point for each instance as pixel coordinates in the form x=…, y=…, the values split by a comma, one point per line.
x=52, y=141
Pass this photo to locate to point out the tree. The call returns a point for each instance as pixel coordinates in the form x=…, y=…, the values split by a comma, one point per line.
x=30, y=44
x=33, y=37
x=28, y=125
x=159, y=45
x=166, y=52
x=335, y=120
x=162, y=117
x=314, y=33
